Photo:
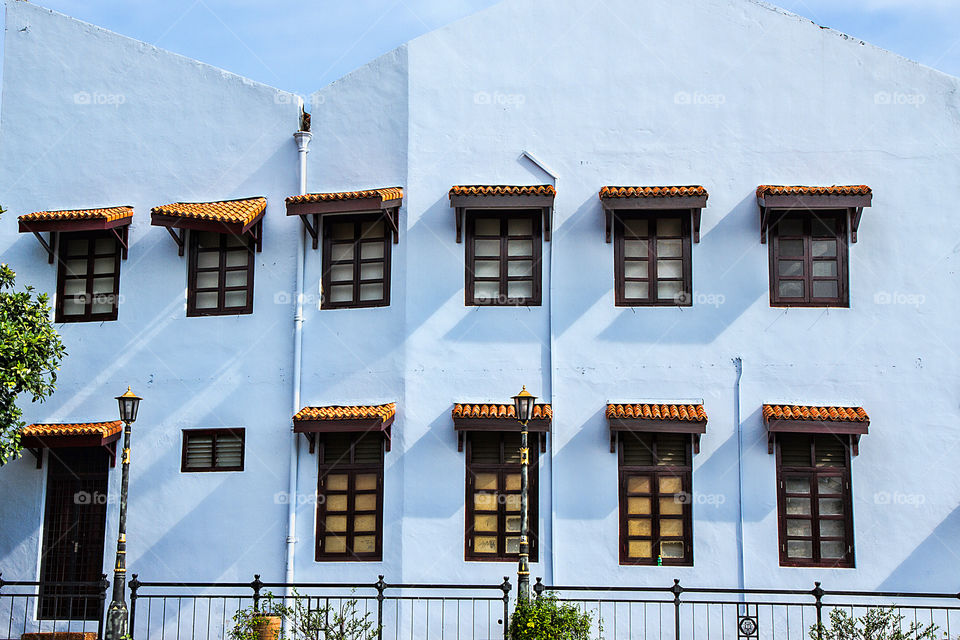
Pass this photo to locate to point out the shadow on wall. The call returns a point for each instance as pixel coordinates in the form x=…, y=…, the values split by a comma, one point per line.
x=594, y=500
x=923, y=568
x=446, y=472
x=719, y=298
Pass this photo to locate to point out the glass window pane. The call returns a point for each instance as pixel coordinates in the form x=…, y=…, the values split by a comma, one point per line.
x=341, y=293
x=832, y=528
x=669, y=248
x=343, y=231
x=790, y=248
x=669, y=268
x=830, y=485
x=639, y=527
x=336, y=502
x=825, y=268
x=208, y=259
x=671, y=484
x=520, y=290
x=103, y=304
x=372, y=229
x=485, y=501
x=671, y=527
x=365, y=523
x=825, y=289
x=77, y=247
x=823, y=227
x=638, y=484
x=487, y=248
x=73, y=307
x=341, y=273
x=512, y=502
x=236, y=279
x=364, y=544
x=799, y=549
x=639, y=506
x=334, y=544
x=337, y=524
x=102, y=285
x=77, y=267
x=366, y=482
x=671, y=549
x=365, y=502
x=235, y=299
x=668, y=226
x=371, y=250
x=207, y=239
x=639, y=548
x=790, y=226
x=73, y=287
x=831, y=506
x=798, y=485
x=340, y=252
x=520, y=226
x=485, y=544
x=635, y=290
x=520, y=247
x=207, y=279
x=336, y=482
x=513, y=545
x=486, y=292
x=790, y=288
x=372, y=271
x=486, y=268
x=371, y=292
x=485, y=481
x=635, y=227
x=670, y=290
x=513, y=524
x=799, y=528
x=488, y=226
x=822, y=248
x=671, y=506
x=520, y=268
x=104, y=265
x=635, y=248
x=483, y=522
x=792, y=267
x=238, y=258
x=832, y=549
x=636, y=269
x=207, y=300
x=513, y=482
x=798, y=506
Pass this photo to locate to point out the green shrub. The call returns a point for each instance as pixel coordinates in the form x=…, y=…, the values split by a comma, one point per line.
x=327, y=622
x=881, y=623
x=546, y=618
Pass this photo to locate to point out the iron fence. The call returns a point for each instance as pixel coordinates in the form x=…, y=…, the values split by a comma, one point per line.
x=28, y=607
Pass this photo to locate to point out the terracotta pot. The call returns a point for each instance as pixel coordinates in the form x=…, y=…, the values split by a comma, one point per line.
x=267, y=627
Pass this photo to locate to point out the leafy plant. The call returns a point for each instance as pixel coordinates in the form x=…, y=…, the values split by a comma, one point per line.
x=546, y=618
x=30, y=353
x=304, y=622
x=881, y=623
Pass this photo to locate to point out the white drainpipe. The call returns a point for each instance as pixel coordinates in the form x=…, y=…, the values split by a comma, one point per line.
x=303, y=143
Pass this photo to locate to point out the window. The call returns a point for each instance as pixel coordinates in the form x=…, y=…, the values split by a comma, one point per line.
x=814, y=501
x=652, y=264
x=356, y=262
x=350, y=496
x=503, y=258
x=655, y=499
x=220, y=279
x=88, y=277
x=493, y=497
x=808, y=260
x=212, y=450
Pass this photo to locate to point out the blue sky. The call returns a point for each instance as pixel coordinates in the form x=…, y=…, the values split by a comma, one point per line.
x=302, y=45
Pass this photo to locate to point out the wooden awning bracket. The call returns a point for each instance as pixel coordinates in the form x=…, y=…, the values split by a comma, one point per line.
x=314, y=231
x=179, y=238
x=122, y=239
x=50, y=247
x=256, y=232
x=38, y=454
x=392, y=218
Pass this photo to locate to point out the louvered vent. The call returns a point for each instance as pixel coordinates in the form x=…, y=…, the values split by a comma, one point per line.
x=229, y=451
x=672, y=449
x=511, y=447
x=637, y=449
x=368, y=448
x=199, y=454
x=794, y=450
x=336, y=448
x=831, y=451
x=484, y=448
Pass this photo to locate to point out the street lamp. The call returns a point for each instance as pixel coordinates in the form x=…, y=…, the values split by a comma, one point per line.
x=117, y=611
x=523, y=409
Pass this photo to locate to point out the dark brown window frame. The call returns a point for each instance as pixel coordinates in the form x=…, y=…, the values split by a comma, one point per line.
x=351, y=470
x=187, y=433
x=813, y=473
x=249, y=244
x=501, y=470
x=328, y=242
x=536, y=278
x=620, y=259
x=89, y=276
x=839, y=219
x=684, y=472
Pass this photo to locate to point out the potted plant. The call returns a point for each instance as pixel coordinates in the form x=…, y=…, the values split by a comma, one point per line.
x=260, y=621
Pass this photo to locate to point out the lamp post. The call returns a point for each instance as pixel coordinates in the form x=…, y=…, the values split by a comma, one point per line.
x=117, y=611
x=523, y=409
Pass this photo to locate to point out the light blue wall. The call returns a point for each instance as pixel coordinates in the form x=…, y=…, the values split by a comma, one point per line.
x=729, y=94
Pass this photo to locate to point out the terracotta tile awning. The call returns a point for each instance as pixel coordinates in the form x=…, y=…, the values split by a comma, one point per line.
x=76, y=219
x=499, y=417
x=851, y=421
x=692, y=197
x=221, y=216
x=852, y=197
x=35, y=437
x=387, y=201
x=503, y=196
x=657, y=418
x=345, y=419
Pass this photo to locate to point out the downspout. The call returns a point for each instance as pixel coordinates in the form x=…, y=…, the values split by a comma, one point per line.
x=303, y=143
x=741, y=573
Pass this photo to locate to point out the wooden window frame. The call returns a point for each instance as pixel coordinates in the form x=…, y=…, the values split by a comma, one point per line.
x=620, y=259
x=536, y=277
x=351, y=470
x=249, y=244
x=813, y=473
x=533, y=502
x=188, y=433
x=685, y=473
x=839, y=219
x=92, y=255
x=328, y=242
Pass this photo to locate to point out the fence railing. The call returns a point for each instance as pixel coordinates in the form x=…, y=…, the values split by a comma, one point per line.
x=205, y=610
x=686, y=613
x=41, y=607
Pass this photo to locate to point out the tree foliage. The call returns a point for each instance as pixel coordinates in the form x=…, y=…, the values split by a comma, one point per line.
x=30, y=353
x=880, y=623
x=546, y=618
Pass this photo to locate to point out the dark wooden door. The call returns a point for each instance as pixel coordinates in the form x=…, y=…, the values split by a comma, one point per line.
x=74, y=524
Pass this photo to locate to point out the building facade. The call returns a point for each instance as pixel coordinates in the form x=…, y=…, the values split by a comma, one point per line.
x=746, y=382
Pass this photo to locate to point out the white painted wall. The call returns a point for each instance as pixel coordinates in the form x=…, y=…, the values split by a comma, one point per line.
x=729, y=94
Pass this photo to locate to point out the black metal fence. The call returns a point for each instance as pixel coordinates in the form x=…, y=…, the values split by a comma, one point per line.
x=206, y=610
x=34, y=607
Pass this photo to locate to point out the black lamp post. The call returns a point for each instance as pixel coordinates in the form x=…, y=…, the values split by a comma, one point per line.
x=523, y=409
x=117, y=611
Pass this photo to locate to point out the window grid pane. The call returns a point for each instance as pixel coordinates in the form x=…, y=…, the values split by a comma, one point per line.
x=808, y=259
x=652, y=259
x=356, y=262
x=88, y=277
x=212, y=450
x=220, y=274
x=503, y=252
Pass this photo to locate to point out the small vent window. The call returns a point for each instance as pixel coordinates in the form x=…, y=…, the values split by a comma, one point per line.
x=212, y=450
